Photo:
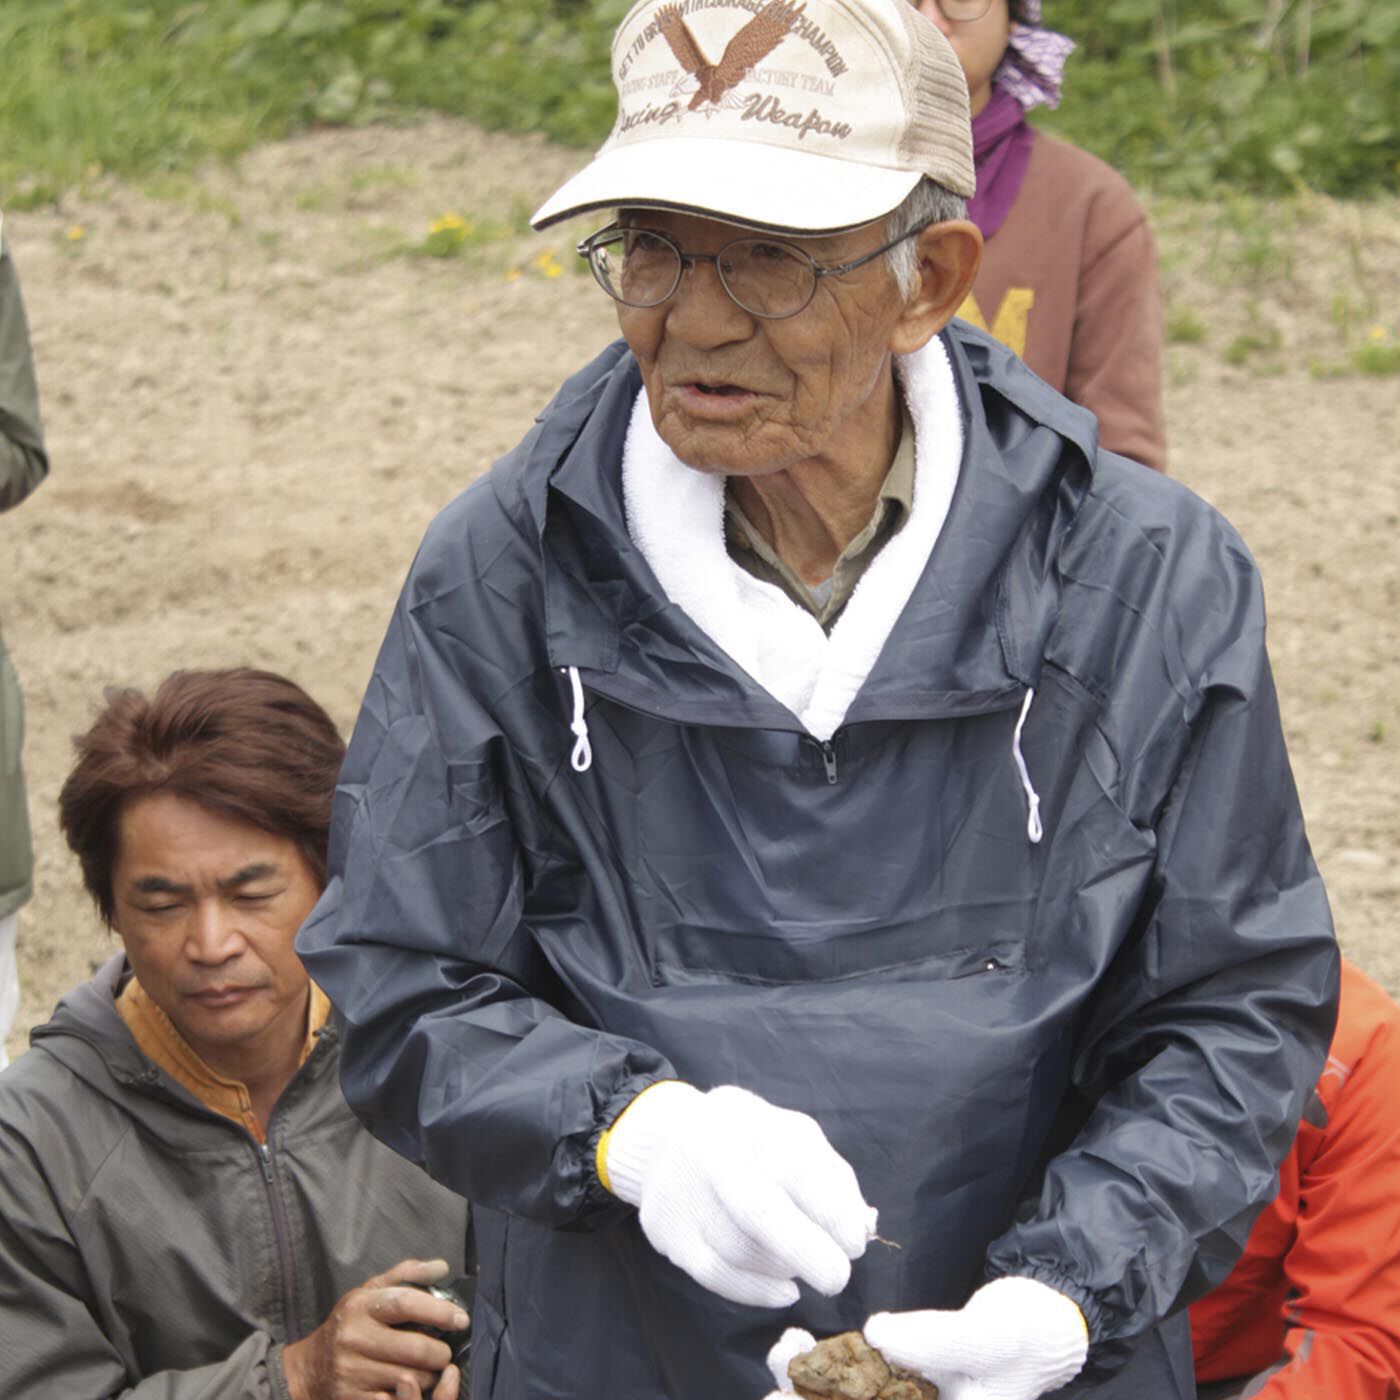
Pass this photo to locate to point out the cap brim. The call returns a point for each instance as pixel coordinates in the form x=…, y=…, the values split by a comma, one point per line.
x=744, y=182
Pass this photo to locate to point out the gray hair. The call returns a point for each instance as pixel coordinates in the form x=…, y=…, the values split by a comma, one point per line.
x=927, y=203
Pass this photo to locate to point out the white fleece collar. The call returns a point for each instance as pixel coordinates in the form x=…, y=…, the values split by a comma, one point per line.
x=675, y=516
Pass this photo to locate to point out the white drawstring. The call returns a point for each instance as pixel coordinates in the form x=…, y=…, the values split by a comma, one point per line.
x=1033, y=827
x=582, y=756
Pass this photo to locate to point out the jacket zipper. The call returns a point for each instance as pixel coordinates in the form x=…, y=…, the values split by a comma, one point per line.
x=824, y=746
x=150, y=1078
x=282, y=1235
x=994, y=703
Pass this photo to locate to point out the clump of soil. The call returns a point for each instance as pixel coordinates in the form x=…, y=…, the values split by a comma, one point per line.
x=847, y=1367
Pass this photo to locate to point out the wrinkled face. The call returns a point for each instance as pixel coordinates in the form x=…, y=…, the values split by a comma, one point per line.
x=978, y=43
x=208, y=908
x=735, y=394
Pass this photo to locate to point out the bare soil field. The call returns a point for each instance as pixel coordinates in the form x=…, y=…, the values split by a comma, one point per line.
x=257, y=396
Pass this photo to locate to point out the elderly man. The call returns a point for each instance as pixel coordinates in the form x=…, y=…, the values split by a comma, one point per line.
x=818, y=849
x=187, y=1207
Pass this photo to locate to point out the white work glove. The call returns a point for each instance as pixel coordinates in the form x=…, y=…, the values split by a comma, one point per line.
x=791, y=1344
x=1016, y=1339
x=744, y=1196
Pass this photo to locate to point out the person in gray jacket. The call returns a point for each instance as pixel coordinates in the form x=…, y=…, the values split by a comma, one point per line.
x=187, y=1206
x=23, y=465
x=818, y=849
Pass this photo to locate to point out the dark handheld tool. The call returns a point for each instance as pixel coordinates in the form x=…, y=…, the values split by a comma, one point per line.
x=460, y=1291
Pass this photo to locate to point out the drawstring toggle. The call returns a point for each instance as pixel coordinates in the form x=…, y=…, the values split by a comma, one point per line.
x=1034, y=830
x=581, y=758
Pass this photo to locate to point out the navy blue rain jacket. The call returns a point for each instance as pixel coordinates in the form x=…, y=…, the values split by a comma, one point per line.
x=1078, y=1059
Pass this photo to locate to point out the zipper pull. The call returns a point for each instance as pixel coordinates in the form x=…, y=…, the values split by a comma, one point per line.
x=829, y=759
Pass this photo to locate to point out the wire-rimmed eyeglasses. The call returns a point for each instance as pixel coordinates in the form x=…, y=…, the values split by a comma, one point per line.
x=642, y=267
x=961, y=11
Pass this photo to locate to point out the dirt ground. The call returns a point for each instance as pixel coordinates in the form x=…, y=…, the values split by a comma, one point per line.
x=256, y=400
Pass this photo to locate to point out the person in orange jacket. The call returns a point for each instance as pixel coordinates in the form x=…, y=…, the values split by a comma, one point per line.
x=1312, y=1309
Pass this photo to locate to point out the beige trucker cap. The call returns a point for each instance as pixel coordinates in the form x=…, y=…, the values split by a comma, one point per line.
x=803, y=115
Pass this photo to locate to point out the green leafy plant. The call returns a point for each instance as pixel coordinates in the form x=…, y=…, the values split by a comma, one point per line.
x=451, y=236
x=1378, y=354
x=1247, y=344
x=1184, y=326
x=141, y=88
x=1183, y=96
x=1377, y=358
x=1263, y=95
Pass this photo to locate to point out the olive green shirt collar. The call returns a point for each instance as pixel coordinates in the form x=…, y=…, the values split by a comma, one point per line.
x=825, y=601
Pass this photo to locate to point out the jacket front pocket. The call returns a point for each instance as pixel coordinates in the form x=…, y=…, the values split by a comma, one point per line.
x=920, y=949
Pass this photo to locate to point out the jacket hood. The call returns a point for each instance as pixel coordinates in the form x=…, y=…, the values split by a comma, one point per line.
x=968, y=642
x=88, y=1036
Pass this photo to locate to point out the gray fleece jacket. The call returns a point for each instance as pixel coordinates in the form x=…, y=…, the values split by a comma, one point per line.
x=150, y=1248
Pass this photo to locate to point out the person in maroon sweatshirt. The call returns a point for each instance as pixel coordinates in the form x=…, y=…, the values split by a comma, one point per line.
x=1069, y=271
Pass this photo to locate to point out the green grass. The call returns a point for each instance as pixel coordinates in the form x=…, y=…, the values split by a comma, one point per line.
x=1378, y=354
x=91, y=87
x=1248, y=344
x=1377, y=358
x=136, y=89
x=452, y=236
x=142, y=86
x=1187, y=96
x=1184, y=327
x=382, y=177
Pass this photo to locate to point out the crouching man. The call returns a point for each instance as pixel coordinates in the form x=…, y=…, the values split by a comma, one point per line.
x=187, y=1206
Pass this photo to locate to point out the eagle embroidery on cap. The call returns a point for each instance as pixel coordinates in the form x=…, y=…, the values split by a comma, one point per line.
x=750, y=46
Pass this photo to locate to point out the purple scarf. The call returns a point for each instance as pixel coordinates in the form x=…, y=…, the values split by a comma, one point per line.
x=1001, y=149
x=1032, y=69
x=1029, y=75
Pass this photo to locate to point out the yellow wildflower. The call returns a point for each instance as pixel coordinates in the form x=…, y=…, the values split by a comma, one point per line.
x=75, y=233
x=445, y=223
x=1377, y=333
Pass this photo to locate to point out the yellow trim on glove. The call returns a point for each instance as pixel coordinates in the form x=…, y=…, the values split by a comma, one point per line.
x=600, y=1156
x=600, y=1153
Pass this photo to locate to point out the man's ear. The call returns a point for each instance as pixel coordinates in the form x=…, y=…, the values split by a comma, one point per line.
x=949, y=255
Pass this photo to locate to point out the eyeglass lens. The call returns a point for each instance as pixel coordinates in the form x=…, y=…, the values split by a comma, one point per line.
x=640, y=268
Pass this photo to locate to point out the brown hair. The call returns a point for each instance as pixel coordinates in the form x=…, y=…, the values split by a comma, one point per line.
x=249, y=745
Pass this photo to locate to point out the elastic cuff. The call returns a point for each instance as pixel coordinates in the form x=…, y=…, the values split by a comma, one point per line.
x=600, y=1153
x=1079, y=1313
x=625, y=1152
x=277, y=1373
